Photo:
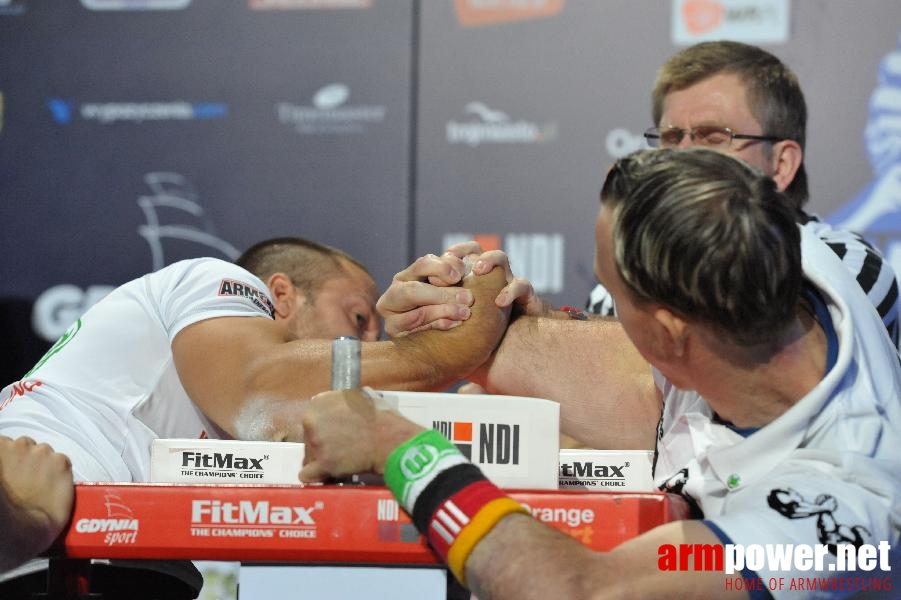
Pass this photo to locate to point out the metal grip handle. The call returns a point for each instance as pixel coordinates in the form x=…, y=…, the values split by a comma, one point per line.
x=345, y=363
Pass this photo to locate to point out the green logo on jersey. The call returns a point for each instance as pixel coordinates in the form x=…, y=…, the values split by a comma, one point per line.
x=62, y=341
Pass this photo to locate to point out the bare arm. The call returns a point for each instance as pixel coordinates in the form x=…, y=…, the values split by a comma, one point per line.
x=424, y=295
x=36, y=496
x=605, y=389
x=604, y=386
x=520, y=558
x=229, y=364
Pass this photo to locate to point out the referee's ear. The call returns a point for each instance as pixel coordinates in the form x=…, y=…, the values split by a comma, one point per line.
x=786, y=160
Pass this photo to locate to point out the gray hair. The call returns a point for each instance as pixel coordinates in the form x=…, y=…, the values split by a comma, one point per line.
x=707, y=236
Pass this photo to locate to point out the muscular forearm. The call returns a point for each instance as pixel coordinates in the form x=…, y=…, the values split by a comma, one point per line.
x=427, y=360
x=424, y=361
x=524, y=559
x=606, y=393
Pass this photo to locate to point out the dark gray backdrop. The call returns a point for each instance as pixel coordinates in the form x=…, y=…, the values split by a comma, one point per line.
x=133, y=138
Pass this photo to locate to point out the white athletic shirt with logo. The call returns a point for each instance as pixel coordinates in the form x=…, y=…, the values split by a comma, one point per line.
x=109, y=386
x=826, y=471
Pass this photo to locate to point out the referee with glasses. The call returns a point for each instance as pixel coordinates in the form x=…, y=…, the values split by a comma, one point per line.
x=743, y=101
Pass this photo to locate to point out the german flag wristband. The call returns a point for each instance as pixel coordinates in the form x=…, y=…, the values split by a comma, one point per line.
x=450, y=500
x=461, y=521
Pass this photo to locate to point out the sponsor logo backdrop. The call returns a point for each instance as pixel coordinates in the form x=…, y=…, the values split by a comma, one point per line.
x=135, y=134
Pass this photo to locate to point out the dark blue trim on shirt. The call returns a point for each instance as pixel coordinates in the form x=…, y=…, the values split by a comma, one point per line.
x=821, y=311
x=748, y=574
x=742, y=431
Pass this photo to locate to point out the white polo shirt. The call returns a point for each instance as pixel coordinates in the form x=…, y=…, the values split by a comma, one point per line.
x=109, y=387
x=828, y=470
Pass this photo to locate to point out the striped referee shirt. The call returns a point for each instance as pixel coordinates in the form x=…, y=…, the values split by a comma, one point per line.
x=873, y=274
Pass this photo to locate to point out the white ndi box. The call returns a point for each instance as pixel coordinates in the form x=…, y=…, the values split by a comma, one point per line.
x=607, y=470
x=513, y=439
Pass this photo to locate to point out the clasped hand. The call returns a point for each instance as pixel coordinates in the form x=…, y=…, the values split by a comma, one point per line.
x=427, y=294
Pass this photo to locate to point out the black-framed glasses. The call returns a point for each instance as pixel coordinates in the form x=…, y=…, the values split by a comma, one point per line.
x=708, y=136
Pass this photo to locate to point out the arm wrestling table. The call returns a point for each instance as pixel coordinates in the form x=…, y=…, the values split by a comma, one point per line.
x=312, y=524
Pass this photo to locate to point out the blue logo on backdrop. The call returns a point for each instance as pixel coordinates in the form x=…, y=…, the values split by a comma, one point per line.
x=61, y=110
x=210, y=110
x=876, y=210
x=65, y=111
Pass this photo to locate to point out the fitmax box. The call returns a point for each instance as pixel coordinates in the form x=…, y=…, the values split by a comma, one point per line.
x=513, y=439
x=607, y=470
x=224, y=461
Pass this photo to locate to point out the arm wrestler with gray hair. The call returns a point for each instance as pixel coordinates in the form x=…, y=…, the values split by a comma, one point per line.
x=754, y=357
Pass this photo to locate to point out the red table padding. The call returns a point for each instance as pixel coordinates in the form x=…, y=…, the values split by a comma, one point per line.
x=313, y=524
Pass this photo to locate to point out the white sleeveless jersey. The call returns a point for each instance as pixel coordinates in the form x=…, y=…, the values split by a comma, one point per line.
x=109, y=387
x=824, y=472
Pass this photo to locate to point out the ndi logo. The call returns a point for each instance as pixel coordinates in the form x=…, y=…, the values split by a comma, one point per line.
x=536, y=256
x=458, y=432
x=498, y=442
x=393, y=525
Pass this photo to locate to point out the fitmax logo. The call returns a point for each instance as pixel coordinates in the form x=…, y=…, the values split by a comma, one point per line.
x=589, y=469
x=245, y=512
x=498, y=442
x=221, y=461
